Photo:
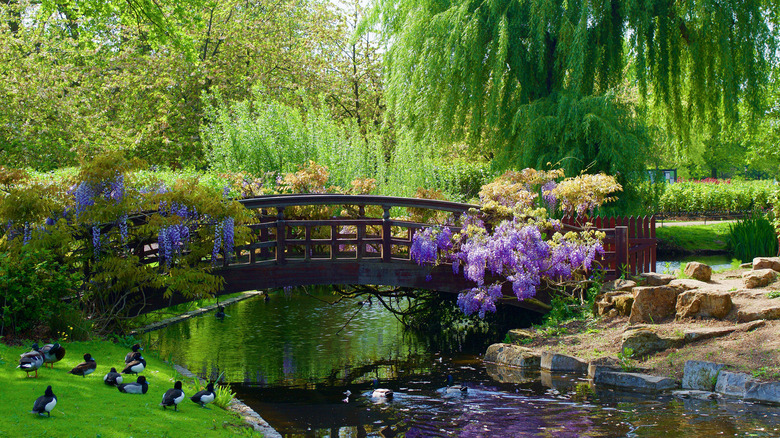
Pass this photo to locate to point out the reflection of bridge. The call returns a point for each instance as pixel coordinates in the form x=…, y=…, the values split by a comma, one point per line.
x=344, y=239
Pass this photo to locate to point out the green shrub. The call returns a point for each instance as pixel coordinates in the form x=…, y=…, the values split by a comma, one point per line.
x=752, y=237
x=693, y=197
x=32, y=285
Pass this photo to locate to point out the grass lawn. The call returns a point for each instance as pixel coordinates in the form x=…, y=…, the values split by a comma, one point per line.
x=87, y=407
x=696, y=237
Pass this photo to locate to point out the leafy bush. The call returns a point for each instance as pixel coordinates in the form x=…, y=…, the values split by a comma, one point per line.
x=33, y=284
x=695, y=197
x=752, y=237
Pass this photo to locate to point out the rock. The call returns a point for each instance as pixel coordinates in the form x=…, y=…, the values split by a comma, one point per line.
x=655, y=279
x=512, y=355
x=733, y=384
x=560, y=363
x=519, y=335
x=653, y=304
x=698, y=271
x=636, y=381
x=605, y=302
x=618, y=285
x=772, y=263
x=644, y=341
x=622, y=303
x=684, y=284
x=750, y=326
x=695, y=394
x=746, y=266
x=758, y=278
x=701, y=375
x=703, y=304
x=601, y=365
x=763, y=392
x=768, y=313
x=707, y=333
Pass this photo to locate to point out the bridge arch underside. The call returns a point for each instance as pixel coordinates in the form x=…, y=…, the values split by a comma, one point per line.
x=262, y=276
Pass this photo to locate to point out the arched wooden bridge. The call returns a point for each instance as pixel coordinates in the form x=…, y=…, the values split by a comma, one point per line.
x=325, y=239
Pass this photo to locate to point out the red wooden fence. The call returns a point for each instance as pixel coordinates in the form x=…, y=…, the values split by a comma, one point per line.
x=629, y=245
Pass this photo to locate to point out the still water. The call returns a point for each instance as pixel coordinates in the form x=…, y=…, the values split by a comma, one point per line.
x=718, y=262
x=293, y=358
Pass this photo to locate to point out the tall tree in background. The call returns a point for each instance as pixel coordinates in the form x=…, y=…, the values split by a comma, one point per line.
x=539, y=80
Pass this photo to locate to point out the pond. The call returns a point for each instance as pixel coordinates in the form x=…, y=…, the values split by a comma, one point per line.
x=717, y=262
x=293, y=358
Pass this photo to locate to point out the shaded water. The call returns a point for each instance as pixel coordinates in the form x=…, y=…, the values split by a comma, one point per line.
x=672, y=265
x=292, y=359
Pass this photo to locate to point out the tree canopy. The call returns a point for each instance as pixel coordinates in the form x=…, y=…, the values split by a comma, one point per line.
x=525, y=77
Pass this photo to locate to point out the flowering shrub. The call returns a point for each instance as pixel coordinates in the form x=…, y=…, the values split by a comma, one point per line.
x=508, y=240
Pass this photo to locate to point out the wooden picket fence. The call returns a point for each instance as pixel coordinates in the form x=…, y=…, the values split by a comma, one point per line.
x=629, y=245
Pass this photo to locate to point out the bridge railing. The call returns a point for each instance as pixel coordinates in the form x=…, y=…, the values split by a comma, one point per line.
x=356, y=236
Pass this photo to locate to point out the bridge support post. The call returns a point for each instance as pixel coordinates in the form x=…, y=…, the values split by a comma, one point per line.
x=386, y=234
x=280, y=237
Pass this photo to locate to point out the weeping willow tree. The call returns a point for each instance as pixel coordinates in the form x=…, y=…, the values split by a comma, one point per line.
x=528, y=82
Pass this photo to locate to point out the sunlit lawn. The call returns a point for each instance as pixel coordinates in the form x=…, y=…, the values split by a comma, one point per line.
x=86, y=407
x=696, y=237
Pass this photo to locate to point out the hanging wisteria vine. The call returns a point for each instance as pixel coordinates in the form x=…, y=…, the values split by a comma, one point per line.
x=509, y=240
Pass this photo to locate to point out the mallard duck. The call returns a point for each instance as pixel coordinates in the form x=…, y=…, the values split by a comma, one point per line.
x=205, y=396
x=45, y=403
x=112, y=378
x=87, y=367
x=173, y=397
x=381, y=393
x=455, y=389
x=136, y=365
x=31, y=361
x=52, y=353
x=138, y=387
x=220, y=314
x=130, y=356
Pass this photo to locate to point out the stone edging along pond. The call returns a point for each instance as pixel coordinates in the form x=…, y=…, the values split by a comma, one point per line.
x=702, y=380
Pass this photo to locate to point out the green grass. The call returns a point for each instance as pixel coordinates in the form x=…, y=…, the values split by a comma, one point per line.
x=86, y=407
x=179, y=309
x=696, y=237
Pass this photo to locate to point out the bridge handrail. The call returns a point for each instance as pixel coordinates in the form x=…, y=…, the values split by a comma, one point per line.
x=294, y=200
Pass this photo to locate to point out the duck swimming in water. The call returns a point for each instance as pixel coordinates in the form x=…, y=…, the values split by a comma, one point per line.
x=381, y=393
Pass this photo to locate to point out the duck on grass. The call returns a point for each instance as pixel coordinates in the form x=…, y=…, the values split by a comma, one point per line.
x=86, y=406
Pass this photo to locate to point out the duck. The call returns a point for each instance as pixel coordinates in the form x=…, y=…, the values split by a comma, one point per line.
x=173, y=397
x=136, y=365
x=112, y=378
x=52, y=353
x=205, y=396
x=45, y=403
x=129, y=357
x=220, y=314
x=381, y=393
x=138, y=387
x=347, y=393
x=455, y=389
x=87, y=367
x=31, y=361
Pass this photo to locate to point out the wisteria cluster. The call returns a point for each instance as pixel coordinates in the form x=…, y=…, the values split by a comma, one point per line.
x=172, y=240
x=87, y=192
x=428, y=243
x=520, y=245
x=224, y=237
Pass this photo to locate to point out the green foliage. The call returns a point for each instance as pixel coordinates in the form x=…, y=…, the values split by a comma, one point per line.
x=692, y=197
x=773, y=294
x=752, y=237
x=519, y=77
x=33, y=282
x=626, y=360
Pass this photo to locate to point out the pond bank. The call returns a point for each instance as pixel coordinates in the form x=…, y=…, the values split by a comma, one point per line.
x=728, y=320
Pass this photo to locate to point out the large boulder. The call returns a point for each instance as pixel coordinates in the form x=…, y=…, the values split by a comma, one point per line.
x=634, y=381
x=560, y=363
x=703, y=304
x=644, y=341
x=733, y=384
x=655, y=279
x=758, y=313
x=698, y=271
x=772, y=263
x=620, y=301
x=512, y=355
x=701, y=375
x=653, y=304
x=623, y=304
x=759, y=277
x=764, y=392
x=618, y=285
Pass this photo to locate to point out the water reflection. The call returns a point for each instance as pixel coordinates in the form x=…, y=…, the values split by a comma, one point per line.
x=293, y=359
